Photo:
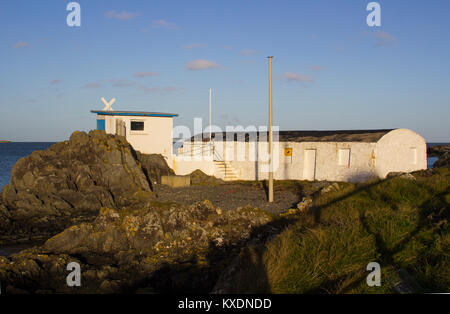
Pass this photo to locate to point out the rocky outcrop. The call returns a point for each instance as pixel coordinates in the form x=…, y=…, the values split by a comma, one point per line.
x=443, y=161
x=439, y=150
x=159, y=248
x=198, y=177
x=154, y=166
x=315, y=190
x=5, y=217
x=97, y=190
x=69, y=182
x=403, y=175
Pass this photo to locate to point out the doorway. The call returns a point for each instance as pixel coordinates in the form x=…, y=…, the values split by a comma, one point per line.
x=309, y=167
x=121, y=128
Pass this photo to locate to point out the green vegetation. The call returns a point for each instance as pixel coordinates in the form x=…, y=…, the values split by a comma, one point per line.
x=400, y=223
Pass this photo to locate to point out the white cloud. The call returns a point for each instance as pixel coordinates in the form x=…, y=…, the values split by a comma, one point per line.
x=21, y=44
x=317, y=68
x=56, y=82
x=145, y=74
x=170, y=89
x=201, y=64
x=157, y=89
x=123, y=16
x=148, y=89
x=164, y=24
x=92, y=85
x=248, y=52
x=296, y=77
x=191, y=46
x=122, y=83
x=385, y=39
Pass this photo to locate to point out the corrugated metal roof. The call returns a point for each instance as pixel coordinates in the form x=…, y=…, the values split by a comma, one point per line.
x=367, y=136
x=134, y=113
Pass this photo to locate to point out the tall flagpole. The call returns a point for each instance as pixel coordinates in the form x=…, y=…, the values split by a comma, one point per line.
x=210, y=131
x=270, y=134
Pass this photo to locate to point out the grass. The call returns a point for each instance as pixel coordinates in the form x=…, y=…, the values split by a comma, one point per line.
x=399, y=223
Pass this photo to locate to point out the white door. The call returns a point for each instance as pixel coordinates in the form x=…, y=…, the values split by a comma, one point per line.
x=309, y=166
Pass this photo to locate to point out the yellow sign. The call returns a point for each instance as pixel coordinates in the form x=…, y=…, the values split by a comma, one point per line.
x=288, y=152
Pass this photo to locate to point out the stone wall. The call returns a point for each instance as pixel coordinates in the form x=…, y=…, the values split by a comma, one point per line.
x=400, y=150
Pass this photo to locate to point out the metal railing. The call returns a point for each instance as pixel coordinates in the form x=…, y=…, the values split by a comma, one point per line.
x=204, y=149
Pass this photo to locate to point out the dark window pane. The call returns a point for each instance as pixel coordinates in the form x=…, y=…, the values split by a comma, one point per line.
x=137, y=126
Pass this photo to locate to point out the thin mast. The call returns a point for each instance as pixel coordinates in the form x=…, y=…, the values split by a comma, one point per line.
x=270, y=134
x=210, y=125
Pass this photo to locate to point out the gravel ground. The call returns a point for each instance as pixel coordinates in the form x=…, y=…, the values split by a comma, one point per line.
x=232, y=195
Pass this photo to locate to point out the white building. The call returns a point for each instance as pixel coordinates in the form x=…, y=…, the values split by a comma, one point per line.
x=147, y=132
x=355, y=155
x=305, y=155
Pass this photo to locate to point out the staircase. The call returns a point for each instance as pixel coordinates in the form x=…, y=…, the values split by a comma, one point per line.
x=228, y=172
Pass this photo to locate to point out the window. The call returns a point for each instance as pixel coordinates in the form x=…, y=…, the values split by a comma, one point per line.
x=344, y=157
x=137, y=125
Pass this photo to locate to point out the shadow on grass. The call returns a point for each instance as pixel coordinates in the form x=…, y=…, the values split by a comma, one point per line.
x=317, y=210
x=195, y=276
x=254, y=278
x=427, y=213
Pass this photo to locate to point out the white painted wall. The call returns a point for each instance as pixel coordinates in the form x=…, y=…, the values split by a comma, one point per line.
x=400, y=150
x=312, y=161
x=155, y=139
x=182, y=167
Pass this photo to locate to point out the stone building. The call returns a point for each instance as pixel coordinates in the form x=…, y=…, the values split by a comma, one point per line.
x=355, y=155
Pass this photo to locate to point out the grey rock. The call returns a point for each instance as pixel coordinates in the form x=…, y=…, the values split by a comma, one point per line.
x=51, y=189
x=305, y=203
x=121, y=249
x=154, y=166
x=439, y=150
x=198, y=177
x=402, y=282
x=403, y=175
x=443, y=161
x=331, y=187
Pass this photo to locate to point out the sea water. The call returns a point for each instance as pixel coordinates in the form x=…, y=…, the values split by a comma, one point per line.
x=10, y=153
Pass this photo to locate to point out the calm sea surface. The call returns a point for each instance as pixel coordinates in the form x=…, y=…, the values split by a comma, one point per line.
x=11, y=152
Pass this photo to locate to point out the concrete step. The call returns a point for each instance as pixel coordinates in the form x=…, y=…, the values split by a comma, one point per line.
x=227, y=170
x=225, y=166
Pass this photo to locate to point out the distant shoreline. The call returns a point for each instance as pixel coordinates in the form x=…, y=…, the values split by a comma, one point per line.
x=4, y=141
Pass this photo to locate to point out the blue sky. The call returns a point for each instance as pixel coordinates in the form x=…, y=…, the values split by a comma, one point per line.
x=330, y=70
